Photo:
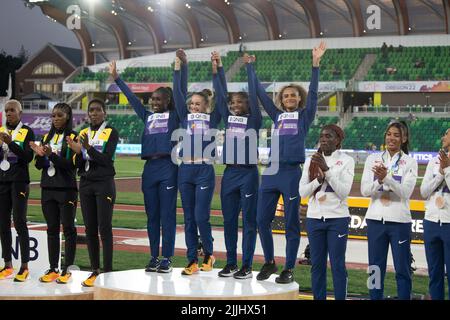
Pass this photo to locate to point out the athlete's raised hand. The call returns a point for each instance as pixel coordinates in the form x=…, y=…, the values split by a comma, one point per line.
x=318, y=52
x=181, y=55
x=249, y=58
x=113, y=69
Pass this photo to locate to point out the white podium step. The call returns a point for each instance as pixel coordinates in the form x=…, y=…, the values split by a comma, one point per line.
x=32, y=289
x=141, y=285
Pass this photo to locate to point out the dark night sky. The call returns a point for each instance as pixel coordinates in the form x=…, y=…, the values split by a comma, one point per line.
x=30, y=27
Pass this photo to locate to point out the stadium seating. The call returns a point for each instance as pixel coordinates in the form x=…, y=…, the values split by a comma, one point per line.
x=199, y=71
x=435, y=64
x=312, y=138
x=295, y=65
x=425, y=133
x=130, y=127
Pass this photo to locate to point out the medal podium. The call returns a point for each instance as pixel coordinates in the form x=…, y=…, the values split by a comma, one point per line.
x=141, y=285
x=32, y=289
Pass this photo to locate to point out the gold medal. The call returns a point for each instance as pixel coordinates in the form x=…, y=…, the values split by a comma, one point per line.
x=440, y=202
x=386, y=199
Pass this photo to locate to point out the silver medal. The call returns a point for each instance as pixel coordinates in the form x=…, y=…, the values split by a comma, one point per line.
x=86, y=166
x=5, y=165
x=51, y=171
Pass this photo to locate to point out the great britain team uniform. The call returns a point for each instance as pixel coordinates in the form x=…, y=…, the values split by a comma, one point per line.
x=389, y=217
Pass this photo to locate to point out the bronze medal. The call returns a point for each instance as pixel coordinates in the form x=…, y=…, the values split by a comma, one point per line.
x=440, y=202
x=386, y=199
x=321, y=196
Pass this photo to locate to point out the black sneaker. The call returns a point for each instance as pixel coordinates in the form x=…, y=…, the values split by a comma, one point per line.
x=267, y=269
x=286, y=276
x=165, y=266
x=244, y=273
x=228, y=270
x=153, y=265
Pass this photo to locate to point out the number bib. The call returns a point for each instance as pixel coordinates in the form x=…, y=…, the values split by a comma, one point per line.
x=288, y=123
x=236, y=126
x=197, y=123
x=157, y=123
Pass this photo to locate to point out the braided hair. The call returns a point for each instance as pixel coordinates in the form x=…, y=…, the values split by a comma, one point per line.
x=64, y=107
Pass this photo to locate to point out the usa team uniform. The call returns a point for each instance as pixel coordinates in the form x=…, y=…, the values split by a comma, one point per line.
x=159, y=179
x=196, y=177
x=240, y=180
x=291, y=129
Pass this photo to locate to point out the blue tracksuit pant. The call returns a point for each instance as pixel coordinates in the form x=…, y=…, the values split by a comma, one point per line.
x=437, y=249
x=328, y=237
x=398, y=235
x=196, y=183
x=159, y=185
x=240, y=191
x=285, y=182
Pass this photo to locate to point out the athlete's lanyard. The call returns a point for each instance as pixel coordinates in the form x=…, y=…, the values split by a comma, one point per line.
x=5, y=165
x=93, y=141
x=57, y=142
x=394, y=166
x=56, y=147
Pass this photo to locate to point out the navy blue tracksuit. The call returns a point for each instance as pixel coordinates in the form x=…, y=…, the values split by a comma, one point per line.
x=436, y=237
x=240, y=180
x=291, y=133
x=196, y=180
x=159, y=179
x=325, y=237
x=381, y=234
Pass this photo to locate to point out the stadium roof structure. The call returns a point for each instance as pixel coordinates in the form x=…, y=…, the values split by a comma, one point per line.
x=131, y=28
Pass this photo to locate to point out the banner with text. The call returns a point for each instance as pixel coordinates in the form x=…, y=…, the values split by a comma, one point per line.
x=404, y=86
